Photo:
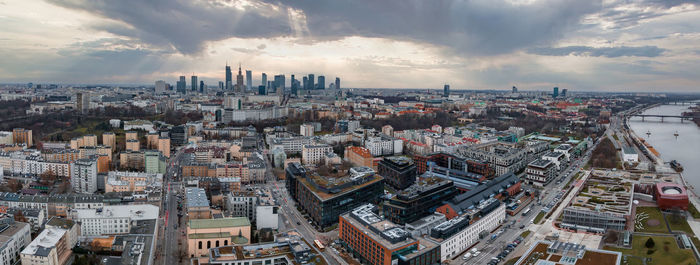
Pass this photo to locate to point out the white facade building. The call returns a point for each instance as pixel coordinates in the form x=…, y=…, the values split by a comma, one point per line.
x=461, y=240
x=13, y=238
x=314, y=154
x=112, y=220
x=266, y=216
x=84, y=176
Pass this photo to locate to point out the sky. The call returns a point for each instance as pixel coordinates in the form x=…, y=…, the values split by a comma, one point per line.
x=585, y=45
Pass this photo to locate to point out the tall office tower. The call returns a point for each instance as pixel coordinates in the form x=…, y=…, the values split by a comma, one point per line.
x=295, y=87
x=269, y=87
x=194, y=83
x=239, y=80
x=292, y=86
x=182, y=85
x=321, y=82
x=555, y=93
x=446, y=91
x=515, y=89
x=312, y=81
x=305, y=83
x=221, y=85
x=262, y=90
x=82, y=101
x=264, y=79
x=228, y=77
x=248, y=80
x=563, y=92
x=160, y=87
x=201, y=86
x=337, y=83
x=279, y=83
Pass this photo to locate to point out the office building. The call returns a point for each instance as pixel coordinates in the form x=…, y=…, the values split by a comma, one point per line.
x=264, y=79
x=83, y=176
x=498, y=188
x=515, y=89
x=446, y=91
x=563, y=92
x=337, y=83
x=457, y=234
x=321, y=82
x=112, y=219
x=380, y=242
x=228, y=78
x=418, y=200
x=248, y=79
x=312, y=82
x=194, y=83
x=398, y=171
x=201, y=86
x=555, y=92
x=285, y=250
x=279, y=84
x=182, y=85
x=305, y=83
x=546, y=252
x=326, y=197
x=160, y=87
x=221, y=85
x=203, y=234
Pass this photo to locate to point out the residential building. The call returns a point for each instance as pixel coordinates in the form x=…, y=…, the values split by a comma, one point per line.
x=314, y=154
x=113, y=219
x=197, y=203
x=84, y=176
x=267, y=216
x=242, y=204
x=360, y=156
x=22, y=136
x=50, y=247
x=164, y=146
x=540, y=172
x=133, y=145
x=109, y=139
x=306, y=129
x=286, y=250
x=14, y=236
x=122, y=181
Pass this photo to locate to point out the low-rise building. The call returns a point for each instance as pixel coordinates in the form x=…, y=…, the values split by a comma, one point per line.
x=197, y=204
x=14, y=236
x=50, y=247
x=113, y=219
x=314, y=154
x=540, y=172
x=557, y=252
x=204, y=234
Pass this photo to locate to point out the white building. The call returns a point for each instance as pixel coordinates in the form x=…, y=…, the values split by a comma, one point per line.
x=629, y=154
x=314, y=154
x=306, y=129
x=14, y=237
x=242, y=204
x=540, y=172
x=454, y=243
x=266, y=216
x=83, y=176
x=112, y=220
x=49, y=248
x=379, y=146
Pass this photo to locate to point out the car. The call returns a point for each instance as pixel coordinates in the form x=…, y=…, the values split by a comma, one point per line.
x=476, y=253
x=298, y=223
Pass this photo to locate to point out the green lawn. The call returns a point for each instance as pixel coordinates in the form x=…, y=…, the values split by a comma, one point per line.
x=538, y=218
x=679, y=224
x=525, y=234
x=665, y=251
x=645, y=214
x=693, y=211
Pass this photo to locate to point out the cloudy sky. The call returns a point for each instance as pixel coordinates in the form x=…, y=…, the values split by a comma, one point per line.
x=618, y=45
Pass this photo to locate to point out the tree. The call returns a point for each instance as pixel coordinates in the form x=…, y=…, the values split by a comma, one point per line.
x=19, y=216
x=650, y=243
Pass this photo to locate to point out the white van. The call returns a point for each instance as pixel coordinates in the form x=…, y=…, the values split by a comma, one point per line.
x=467, y=256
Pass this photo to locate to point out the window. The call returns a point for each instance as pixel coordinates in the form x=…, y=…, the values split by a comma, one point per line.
x=200, y=244
x=208, y=244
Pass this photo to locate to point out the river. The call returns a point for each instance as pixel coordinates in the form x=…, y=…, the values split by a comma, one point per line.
x=685, y=148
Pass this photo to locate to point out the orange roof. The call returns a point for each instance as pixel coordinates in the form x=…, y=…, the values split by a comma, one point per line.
x=363, y=152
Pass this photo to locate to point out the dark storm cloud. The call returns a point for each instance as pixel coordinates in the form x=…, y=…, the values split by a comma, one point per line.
x=185, y=24
x=610, y=52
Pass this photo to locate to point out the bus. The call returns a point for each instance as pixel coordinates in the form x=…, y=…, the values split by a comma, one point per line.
x=319, y=245
x=526, y=211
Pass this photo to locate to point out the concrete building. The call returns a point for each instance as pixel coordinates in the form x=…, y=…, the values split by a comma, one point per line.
x=306, y=129
x=398, y=171
x=203, y=234
x=286, y=250
x=164, y=146
x=84, y=176
x=109, y=139
x=326, y=197
x=131, y=135
x=266, y=216
x=154, y=162
x=22, y=136
x=314, y=154
x=50, y=247
x=14, y=236
x=133, y=145
x=544, y=252
x=380, y=242
x=540, y=172
x=197, y=206
x=421, y=227
x=113, y=219
x=242, y=204
x=122, y=181
x=418, y=200
x=361, y=157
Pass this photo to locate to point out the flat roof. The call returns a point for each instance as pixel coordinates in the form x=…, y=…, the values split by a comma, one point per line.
x=218, y=223
x=42, y=244
x=196, y=197
x=134, y=212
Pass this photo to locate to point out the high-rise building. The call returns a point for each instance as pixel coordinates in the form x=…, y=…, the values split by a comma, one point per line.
x=22, y=136
x=279, y=83
x=160, y=87
x=264, y=79
x=515, y=89
x=446, y=91
x=262, y=90
x=555, y=93
x=321, y=82
x=248, y=80
x=181, y=85
x=305, y=83
x=228, y=77
x=563, y=92
x=294, y=86
x=221, y=85
x=312, y=82
x=83, y=176
x=194, y=83
x=239, y=80
x=109, y=139
x=164, y=146
x=201, y=86
x=82, y=101
x=337, y=83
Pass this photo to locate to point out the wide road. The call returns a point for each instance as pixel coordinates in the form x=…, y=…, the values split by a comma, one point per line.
x=169, y=214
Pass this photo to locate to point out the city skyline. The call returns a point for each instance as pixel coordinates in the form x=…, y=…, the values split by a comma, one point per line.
x=611, y=45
